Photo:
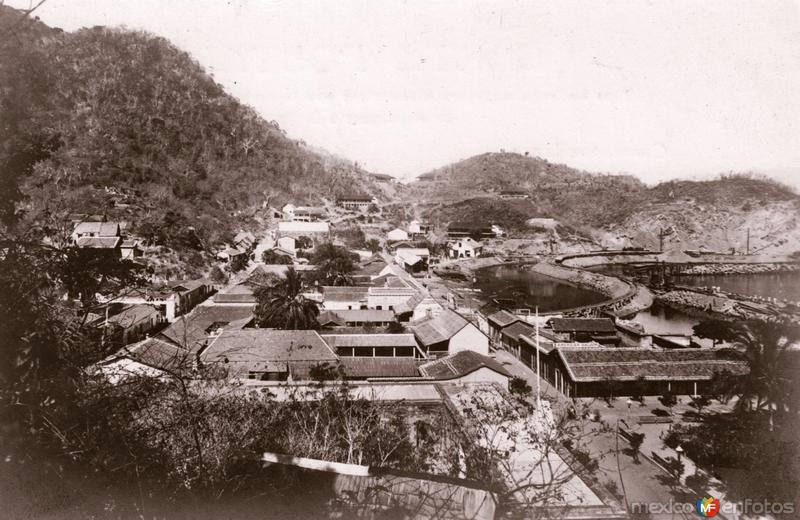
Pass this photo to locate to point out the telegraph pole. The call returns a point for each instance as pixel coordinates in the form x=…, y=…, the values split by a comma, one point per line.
x=748, y=241
x=538, y=373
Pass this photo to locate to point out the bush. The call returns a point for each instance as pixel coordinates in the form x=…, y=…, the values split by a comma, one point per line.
x=519, y=386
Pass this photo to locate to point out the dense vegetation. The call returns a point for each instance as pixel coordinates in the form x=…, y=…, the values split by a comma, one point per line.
x=122, y=123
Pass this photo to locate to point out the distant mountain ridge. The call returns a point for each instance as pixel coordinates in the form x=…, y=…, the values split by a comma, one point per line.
x=614, y=210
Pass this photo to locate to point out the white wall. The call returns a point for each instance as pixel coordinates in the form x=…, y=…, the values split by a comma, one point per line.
x=484, y=375
x=469, y=338
x=426, y=307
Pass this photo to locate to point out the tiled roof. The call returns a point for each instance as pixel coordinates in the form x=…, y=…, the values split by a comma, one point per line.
x=98, y=242
x=193, y=329
x=440, y=328
x=370, y=340
x=157, y=354
x=628, y=364
x=582, y=325
x=515, y=329
x=459, y=365
x=410, y=304
x=250, y=346
x=502, y=318
x=388, y=280
x=133, y=314
x=330, y=317
x=344, y=294
x=364, y=367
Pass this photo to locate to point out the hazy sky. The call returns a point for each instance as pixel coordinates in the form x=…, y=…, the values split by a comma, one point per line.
x=658, y=89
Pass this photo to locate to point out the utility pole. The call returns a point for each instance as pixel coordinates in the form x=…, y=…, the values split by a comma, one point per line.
x=538, y=373
x=661, y=236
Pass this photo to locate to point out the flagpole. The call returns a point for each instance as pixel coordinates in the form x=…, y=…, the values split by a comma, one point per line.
x=538, y=374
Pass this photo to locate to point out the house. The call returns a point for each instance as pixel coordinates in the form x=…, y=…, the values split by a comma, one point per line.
x=88, y=229
x=150, y=357
x=602, y=371
x=279, y=251
x=268, y=354
x=449, y=333
x=419, y=307
x=497, y=321
x=344, y=298
x=110, y=245
x=466, y=229
x=244, y=240
x=229, y=254
x=415, y=228
x=192, y=331
x=373, y=345
x=309, y=214
x=466, y=367
x=382, y=177
x=302, y=228
x=396, y=235
x=464, y=248
x=358, y=318
x=513, y=194
x=355, y=202
x=287, y=244
x=510, y=336
x=189, y=293
x=133, y=322
x=388, y=297
x=601, y=330
x=412, y=259
x=129, y=249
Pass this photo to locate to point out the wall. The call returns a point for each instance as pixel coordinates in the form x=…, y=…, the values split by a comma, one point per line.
x=469, y=338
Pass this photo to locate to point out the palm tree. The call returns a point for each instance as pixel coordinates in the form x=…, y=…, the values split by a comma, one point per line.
x=769, y=384
x=283, y=306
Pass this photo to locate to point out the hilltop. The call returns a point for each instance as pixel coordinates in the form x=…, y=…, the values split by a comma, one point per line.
x=122, y=123
x=611, y=210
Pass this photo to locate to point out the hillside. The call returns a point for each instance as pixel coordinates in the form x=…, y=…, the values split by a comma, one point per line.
x=612, y=210
x=122, y=123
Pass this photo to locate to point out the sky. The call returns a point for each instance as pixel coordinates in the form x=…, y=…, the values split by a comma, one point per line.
x=659, y=89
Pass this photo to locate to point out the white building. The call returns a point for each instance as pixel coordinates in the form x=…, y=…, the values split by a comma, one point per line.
x=396, y=235
x=302, y=228
x=287, y=244
x=449, y=333
x=464, y=248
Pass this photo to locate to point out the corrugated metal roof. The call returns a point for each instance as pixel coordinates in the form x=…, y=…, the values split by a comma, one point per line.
x=365, y=367
x=98, y=242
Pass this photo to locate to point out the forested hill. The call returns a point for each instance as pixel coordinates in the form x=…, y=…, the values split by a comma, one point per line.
x=123, y=123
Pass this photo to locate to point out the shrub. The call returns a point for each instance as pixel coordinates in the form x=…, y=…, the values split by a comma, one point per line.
x=519, y=386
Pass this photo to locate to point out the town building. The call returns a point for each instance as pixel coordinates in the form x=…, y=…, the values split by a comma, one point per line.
x=466, y=229
x=497, y=321
x=373, y=345
x=268, y=354
x=90, y=229
x=194, y=330
x=601, y=330
x=357, y=318
x=130, y=250
x=287, y=244
x=132, y=323
x=416, y=228
x=355, y=202
x=464, y=248
x=396, y=235
x=244, y=240
x=229, y=254
x=150, y=357
x=360, y=368
x=466, y=367
x=449, y=333
x=421, y=306
x=510, y=336
x=412, y=259
x=295, y=229
x=172, y=299
x=602, y=371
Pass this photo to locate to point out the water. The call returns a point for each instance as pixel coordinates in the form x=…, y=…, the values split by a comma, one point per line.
x=528, y=289
x=777, y=285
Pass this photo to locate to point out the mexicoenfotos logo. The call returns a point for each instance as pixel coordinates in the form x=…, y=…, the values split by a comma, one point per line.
x=707, y=506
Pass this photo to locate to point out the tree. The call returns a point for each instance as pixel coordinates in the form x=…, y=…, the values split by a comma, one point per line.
x=715, y=330
x=373, y=245
x=271, y=257
x=303, y=242
x=334, y=264
x=518, y=385
x=668, y=399
x=770, y=382
x=636, y=440
x=238, y=263
x=283, y=305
